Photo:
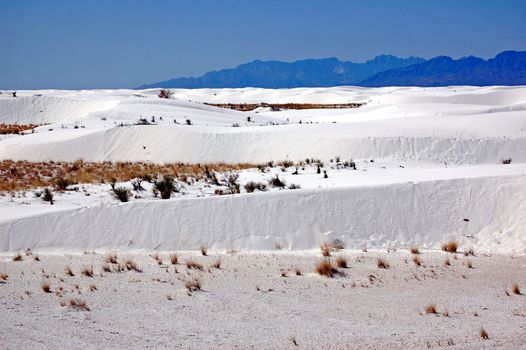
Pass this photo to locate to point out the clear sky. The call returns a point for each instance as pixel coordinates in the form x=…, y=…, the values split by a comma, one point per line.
x=73, y=44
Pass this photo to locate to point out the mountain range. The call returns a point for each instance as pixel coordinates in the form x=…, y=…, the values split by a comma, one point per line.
x=507, y=68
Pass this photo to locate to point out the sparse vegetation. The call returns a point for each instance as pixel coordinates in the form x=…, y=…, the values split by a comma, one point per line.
x=204, y=249
x=414, y=250
x=165, y=186
x=325, y=249
x=450, y=246
x=417, y=260
x=276, y=182
x=217, y=262
x=174, y=258
x=252, y=186
x=431, y=309
x=111, y=258
x=79, y=305
x=47, y=195
x=17, y=257
x=515, y=288
x=193, y=264
x=381, y=263
x=46, y=287
x=68, y=271
x=193, y=284
x=87, y=270
x=325, y=268
x=121, y=193
x=483, y=333
x=341, y=262
x=165, y=93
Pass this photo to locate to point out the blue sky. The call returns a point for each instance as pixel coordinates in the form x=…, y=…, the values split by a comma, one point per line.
x=73, y=44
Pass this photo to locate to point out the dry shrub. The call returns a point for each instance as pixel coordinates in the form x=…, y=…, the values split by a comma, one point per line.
x=78, y=304
x=298, y=272
x=68, y=271
x=174, y=258
x=15, y=128
x=450, y=246
x=203, y=249
x=325, y=268
x=325, y=249
x=516, y=289
x=3, y=276
x=193, y=284
x=193, y=264
x=483, y=334
x=87, y=270
x=447, y=262
x=381, y=263
x=111, y=258
x=417, y=260
x=414, y=250
x=92, y=287
x=129, y=265
x=469, y=264
x=158, y=258
x=445, y=313
x=469, y=251
x=36, y=258
x=106, y=267
x=46, y=287
x=17, y=257
x=431, y=309
x=217, y=262
x=341, y=262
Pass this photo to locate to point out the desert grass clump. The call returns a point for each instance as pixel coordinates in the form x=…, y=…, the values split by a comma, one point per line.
x=92, y=287
x=78, y=304
x=450, y=246
x=414, y=250
x=17, y=257
x=516, y=289
x=122, y=193
x=193, y=264
x=217, y=262
x=447, y=262
x=87, y=270
x=417, y=260
x=325, y=249
x=174, y=258
x=469, y=264
x=165, y=186
x=68, y=271
x=106, y=267
x=47, y=196
x=129, y=265
x=431, y=309
x=36, y=258
x=341, y=262
x=381, y=263
x=483, y=333
x=325, y=268
x=157, y=258
x=469, y=251
x=252, y=186
x=276, y=182
x=111, y=258
x=193, y=284
x=204, y=249
x=46, y=287
x=3, y=276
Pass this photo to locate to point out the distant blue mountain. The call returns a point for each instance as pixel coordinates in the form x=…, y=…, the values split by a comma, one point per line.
x=507, y=68
x=305, y=73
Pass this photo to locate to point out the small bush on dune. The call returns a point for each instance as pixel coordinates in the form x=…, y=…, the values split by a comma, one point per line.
x=450, y=246
x=137, y=186
x=111, y=258
x=341, y=262
x=78, y=304
x=431, y=309
x=483, y=334
x=61, y=184
x=276, y=182
x=294, y=187
x=193, y=284
x=516, y=289
x=381, y=263
x=174, y=258
x=417, y=260
x=252, y=186
x=414, y=250
x=217, y=263
x=87, y=270
x=165, y=186
x=17, y=257
x=47, y=196
x=68, y=271
x=325, y=249
x=121, y=193
x=46, y=287
x=325, y=268
x=165, y=93
x=203, y=248
x=193, y=264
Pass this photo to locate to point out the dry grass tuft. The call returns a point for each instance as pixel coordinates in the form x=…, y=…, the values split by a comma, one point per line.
x=92, y=287
x=298, y=271
x=447, y=262
x=3, y=276
x=17, y=257
x=158, y=258
x=78, y=304
x=417, y=260
x=483, y=334
x=193, y=284
x=87, y=270
x=203, y=249
x=68, y=271
x=516, y=289
x=111, y=258
x=106, y=267
x=36, y=258
x=325, y=268
x=450, y=246
x=469, y=251
x=217, y=262
x=193, y=264
x=174, y=258
x=129, y=265
x=469, y=264
x=341, y=262
x=381, y=263
x=325, y=249
x=445, y=313
x=414, y=250
x=431, y=309
x=46, y=287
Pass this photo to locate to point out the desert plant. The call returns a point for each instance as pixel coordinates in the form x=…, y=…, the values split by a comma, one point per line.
x=483, y=333
x=78, y=304
x=381, y=263
x=47, y=195
x=121, y=193
x=130, y=264
x=3, y=276
x=516, y=289
x=137, y=186
x=252, y=186
x=111, y=258
x=341, y=262
x=193, y=264
x=165, y=186
x=417, y=260
x=276, y=182
x=106, y=267
x=165, y=93
x=469, y=251
x=17, y=257
x=294, y=187
x=68, y=271
x=87, y=270
x=203, y=249
x=217, y=262
x=92, y=287
x=46, y=287
x=174, y=258
x=469, y=264
x=325, y=249
x=193, y=284
x=414, y=250
x=431, y=309
x=61, y=184
x=325, y=268
x=447, y=262
x=450, y=246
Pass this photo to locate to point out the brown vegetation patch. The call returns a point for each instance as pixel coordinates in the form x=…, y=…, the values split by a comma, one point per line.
x=15, y=128
x=247, y=107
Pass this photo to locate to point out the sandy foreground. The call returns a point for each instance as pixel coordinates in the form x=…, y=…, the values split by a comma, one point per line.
x=265, y=300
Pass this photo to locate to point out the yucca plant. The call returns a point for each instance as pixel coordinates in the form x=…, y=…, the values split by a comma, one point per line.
x=165, y=186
